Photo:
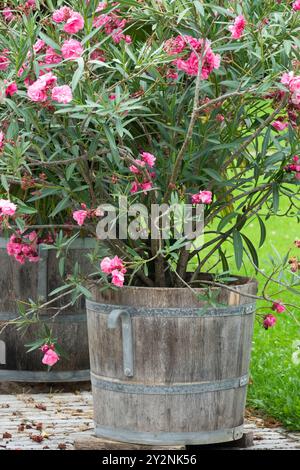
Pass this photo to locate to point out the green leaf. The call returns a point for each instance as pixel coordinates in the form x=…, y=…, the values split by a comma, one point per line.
x=61, y=266
x=23, y=209
x=60, y=206
x=213, y=174
x=35, y=345
x=4, y=183
x=226, y=220
x=199, y=7
x=238, y=249
x=20, y=224
x=252, y=250
x=44, y=193
x=78, y=73
x=225, y=265
x=263, y=232
x=49, y=41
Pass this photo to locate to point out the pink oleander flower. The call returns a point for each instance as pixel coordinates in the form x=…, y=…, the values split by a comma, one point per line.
x=48, y=80
x=211, y=61
x=38, y=46
x=2, y=140
x=296, y=5
x=74, y=23
x=116, y=268
x=71, y=49
x=204, y=197
x=8, y=14
x=134, y=170
x=37, y=92
x=279, y=125
x=189, y=63
x=62, y=94
x=7, y=207
x=30, y=4
x=11, y=89
x=112, y=97
x=61, y=15
x=98, y=54
x=80, y=216
x=108, y=265
x=134, y=187
x=51, y=56
x=117, y=278
x=278, y=307
x=297, y=243
x=292, y=82
x=148, y=158
x=175, y=45
x=50, y=358
x=220, y=118
x=146, y=186
x=4, y=62
x=172, y=74
x=269, y=321
x=22, y=250
x=238, y=27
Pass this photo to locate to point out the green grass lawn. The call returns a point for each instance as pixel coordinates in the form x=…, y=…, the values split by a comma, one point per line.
x=275, y=379
x=275, y=387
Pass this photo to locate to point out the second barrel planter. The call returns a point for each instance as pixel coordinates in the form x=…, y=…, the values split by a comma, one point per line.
x=167, y=368
x=37, y=280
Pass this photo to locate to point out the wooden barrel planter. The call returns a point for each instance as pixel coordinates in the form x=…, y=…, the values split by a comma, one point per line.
x=167, y=368
x=36, y=280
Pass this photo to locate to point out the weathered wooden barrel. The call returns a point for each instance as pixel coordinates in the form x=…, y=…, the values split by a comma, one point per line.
x=37, y=280
x=167, y=368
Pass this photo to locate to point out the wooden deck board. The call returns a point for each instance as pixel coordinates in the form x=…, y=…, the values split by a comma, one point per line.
x=67, y=414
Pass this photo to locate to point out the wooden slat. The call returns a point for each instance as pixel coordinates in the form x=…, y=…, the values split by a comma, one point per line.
x=68, y=414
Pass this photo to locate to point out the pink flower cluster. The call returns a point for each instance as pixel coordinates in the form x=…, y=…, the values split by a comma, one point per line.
x=71, y=49
x=7, y=208
x=23, y=248
x=204, y=197
x=4, y=60
x=2, y=140
x=114, y=267
x=141, y=167
x=278, y=307
x=50, y=55
x=237, y=29
x=294, y=167
x=113, y=24
x=7, y=14
x=279, y=125
x=269, y=321
x=193, y=50
x=80, y=215
x=11, y=89
x=40, y=90
x=296, y=5
x=50, y=356
x=73, y=20
x=292, y=82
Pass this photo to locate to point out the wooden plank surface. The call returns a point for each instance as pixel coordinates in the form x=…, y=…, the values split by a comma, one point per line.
x=55, y=420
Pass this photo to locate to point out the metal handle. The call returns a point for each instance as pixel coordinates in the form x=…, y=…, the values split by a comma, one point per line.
x=2, y=353
x=112, y=323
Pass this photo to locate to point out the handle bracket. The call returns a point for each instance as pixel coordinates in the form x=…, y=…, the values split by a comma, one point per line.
x=127, y=337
